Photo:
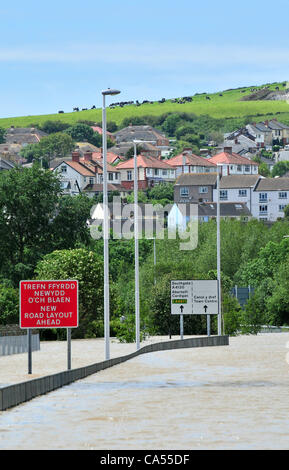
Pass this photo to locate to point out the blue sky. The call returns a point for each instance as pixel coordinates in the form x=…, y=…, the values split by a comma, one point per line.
x=61, y=55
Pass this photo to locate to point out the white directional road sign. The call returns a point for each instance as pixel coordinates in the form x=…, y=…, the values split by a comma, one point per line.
x=198, y=297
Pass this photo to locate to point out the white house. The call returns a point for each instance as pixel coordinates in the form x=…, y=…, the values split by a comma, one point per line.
x=234, y=164
x=269, y=198
x=239, y=189
x=74, y=175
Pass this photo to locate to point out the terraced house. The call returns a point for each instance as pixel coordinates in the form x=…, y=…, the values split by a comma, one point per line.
x=151, y=171
x=270, y=197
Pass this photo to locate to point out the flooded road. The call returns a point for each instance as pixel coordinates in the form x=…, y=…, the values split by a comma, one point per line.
x=228, y=397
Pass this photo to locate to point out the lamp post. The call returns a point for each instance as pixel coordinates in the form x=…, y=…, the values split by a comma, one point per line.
x=219, y=254
x=105, y=223
x=136, y=249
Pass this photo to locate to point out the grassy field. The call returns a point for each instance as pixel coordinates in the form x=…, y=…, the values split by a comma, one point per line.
x=226, y=106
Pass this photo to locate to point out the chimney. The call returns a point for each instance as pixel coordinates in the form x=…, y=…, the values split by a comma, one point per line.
x=236, y=140
x=75, y=156
x=87, y=156
x=228, y=150
x=266, y=123
x=184, y=158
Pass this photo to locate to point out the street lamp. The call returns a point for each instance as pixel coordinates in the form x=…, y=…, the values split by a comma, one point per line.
x=219, y=253
x=105, y=222
x=136, y=249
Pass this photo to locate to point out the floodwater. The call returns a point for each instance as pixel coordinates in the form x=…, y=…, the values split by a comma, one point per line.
x=228, y=397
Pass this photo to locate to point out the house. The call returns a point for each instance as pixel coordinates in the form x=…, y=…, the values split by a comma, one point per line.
x=99, y=131
x=75, y=175
x=241, y=144
x=187, y=162
x=147, y=148
x=151, y=171
x=237, y=188
x=6, y=164
x=148, y=133
x=234, y=164
x=23, y=135
x=282, y=156
x=151, y=219
x=269, y=198
x=111, y=157
x=267, y=132
x=194, y=187
x=181, y=214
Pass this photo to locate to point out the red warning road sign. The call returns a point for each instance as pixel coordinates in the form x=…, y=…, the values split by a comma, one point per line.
x=48, y=304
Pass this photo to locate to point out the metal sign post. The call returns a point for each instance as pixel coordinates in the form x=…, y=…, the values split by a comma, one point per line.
x=182, y=326
x=68, y=348
x=208, y=325
x=29, y=348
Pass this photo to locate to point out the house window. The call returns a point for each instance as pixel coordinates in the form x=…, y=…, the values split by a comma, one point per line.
x=203, y=189
x=282, y=207
x=116, y=176
x=64, y=169
x=165, y=172
x=223, y=194
x=247, y=169
x=110, y=176
x=129, y=175
x=156, y=172
x=239, y=168
x=263, y=197
x=263, y=209
x=91, y=180
x=242, y=192
x=186, y=169
x=282, y=195
x=184, y=191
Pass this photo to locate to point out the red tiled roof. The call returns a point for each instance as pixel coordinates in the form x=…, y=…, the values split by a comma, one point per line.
x=99, y=163
x=80, y=168
x=144, y=162
x=99, y=130
x=190, y=159
x=110, y=156
x=233, y=158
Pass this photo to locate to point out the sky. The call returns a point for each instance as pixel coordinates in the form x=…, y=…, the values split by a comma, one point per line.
x=63, y=54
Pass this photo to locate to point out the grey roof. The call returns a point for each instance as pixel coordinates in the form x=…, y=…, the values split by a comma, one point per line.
x=227, y=209
x=273, y=184
x=238, y=181
x=98, y=188
x=6, y=164
x=139, y=133
x=23, y=135
x=196, y=179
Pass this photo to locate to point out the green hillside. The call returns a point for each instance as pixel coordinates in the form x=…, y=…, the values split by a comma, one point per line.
x=223, y=104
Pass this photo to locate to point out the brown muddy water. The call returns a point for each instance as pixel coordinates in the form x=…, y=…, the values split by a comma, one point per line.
x=229, y=397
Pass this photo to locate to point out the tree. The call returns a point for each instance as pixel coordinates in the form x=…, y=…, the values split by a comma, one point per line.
x=86, y=267
x=57, y=145
x=69, y=226
x=28, y=197
x=171, y=123
x=264, y=170
x=280, y=169
x=162, y=191
x=9, y=304
x=51, y=127
x=84, y=133
x=2, y=135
